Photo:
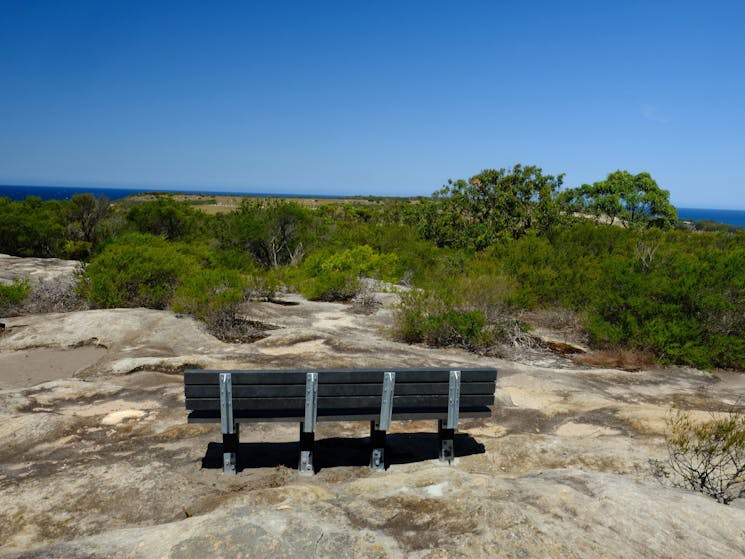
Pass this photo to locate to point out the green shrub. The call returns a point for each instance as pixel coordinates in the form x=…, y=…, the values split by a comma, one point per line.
x=274, y=232
x=455, y=328
x=328, y=276
x=13, y=295
x=679, y=295
x=423, y=318
x=137, y=270
x=208, y=294
x=32, y=227
x=684, y=303
x=77, y=250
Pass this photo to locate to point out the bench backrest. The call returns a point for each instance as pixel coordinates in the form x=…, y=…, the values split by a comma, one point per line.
x=340, y=392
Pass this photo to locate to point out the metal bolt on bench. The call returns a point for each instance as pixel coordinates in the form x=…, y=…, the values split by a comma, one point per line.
x=376, y=395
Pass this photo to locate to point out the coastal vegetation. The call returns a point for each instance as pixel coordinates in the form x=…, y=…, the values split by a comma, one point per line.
x=480, y=253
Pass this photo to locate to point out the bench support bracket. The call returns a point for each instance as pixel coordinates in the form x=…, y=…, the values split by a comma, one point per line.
x=446, y=430
x=447, y=448
x=379, y=428
x=453, y=400
x=230, y=431
x=308, y=427
x=377, y=441
x=307, y=442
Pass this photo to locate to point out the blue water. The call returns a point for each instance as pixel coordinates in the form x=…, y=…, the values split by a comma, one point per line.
x=730, y=217
x=63, y=192
x=66, y=192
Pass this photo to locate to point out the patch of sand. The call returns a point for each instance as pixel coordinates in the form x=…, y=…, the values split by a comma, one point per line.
x=22, y=369
x=572, y=429
x=311, y=347
x=119, y=416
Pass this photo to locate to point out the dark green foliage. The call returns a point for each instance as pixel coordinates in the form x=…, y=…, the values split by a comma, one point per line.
x=53, y=228
x=274, y=232
x=32, y=227
x=167, y=218
x=85, y=216
x=678, y=295
x=683, y=303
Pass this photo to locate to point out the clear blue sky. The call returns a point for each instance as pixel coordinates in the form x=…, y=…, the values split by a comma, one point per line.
x=389, y=98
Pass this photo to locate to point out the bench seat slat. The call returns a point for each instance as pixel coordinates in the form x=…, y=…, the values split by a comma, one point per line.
x=338, y=376
x=339, y=402
x=366, y=389
x=263, y=416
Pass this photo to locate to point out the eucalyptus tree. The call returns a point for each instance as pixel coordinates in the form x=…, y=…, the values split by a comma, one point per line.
x=631, y=200
x=496, y=204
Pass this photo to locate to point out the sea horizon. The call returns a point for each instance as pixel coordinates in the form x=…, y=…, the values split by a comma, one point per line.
x=21, y=192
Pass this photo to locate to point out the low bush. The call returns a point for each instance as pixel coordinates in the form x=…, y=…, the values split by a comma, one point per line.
x=137, y=270
x=13, y=295
x=422, y=317
x=327, y=276
x=210, y=295
x=707, y=457
x=274, y=232
x=469, y=304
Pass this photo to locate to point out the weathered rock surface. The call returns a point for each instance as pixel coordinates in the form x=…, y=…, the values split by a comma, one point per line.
x=37, y=270
x=97, y=460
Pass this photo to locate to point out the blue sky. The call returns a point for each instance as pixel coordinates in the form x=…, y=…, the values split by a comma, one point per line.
x=388, y=98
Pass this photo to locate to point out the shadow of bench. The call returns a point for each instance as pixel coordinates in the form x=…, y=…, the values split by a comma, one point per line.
x=335, y=452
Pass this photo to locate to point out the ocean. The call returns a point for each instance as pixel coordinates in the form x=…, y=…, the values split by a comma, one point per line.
x=730, y=217
x=66, y=192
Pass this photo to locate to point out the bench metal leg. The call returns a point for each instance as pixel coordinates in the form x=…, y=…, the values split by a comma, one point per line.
x=447, y=448
x=307, y=442
x=230, y=442
x=228, y=425
x=377, y=439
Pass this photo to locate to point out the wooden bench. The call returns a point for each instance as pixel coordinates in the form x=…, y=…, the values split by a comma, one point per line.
x=376, y=395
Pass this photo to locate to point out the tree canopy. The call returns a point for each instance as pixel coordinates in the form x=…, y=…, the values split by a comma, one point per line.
x=632, y=200
x=495, y=204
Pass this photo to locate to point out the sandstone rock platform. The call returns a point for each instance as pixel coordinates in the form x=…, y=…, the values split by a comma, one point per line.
x=97, y=460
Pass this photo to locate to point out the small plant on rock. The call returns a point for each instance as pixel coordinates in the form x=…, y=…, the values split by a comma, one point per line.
x=707, y=457
x=13, y=295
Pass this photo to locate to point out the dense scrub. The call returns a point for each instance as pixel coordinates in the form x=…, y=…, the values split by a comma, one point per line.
x=479, y=253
